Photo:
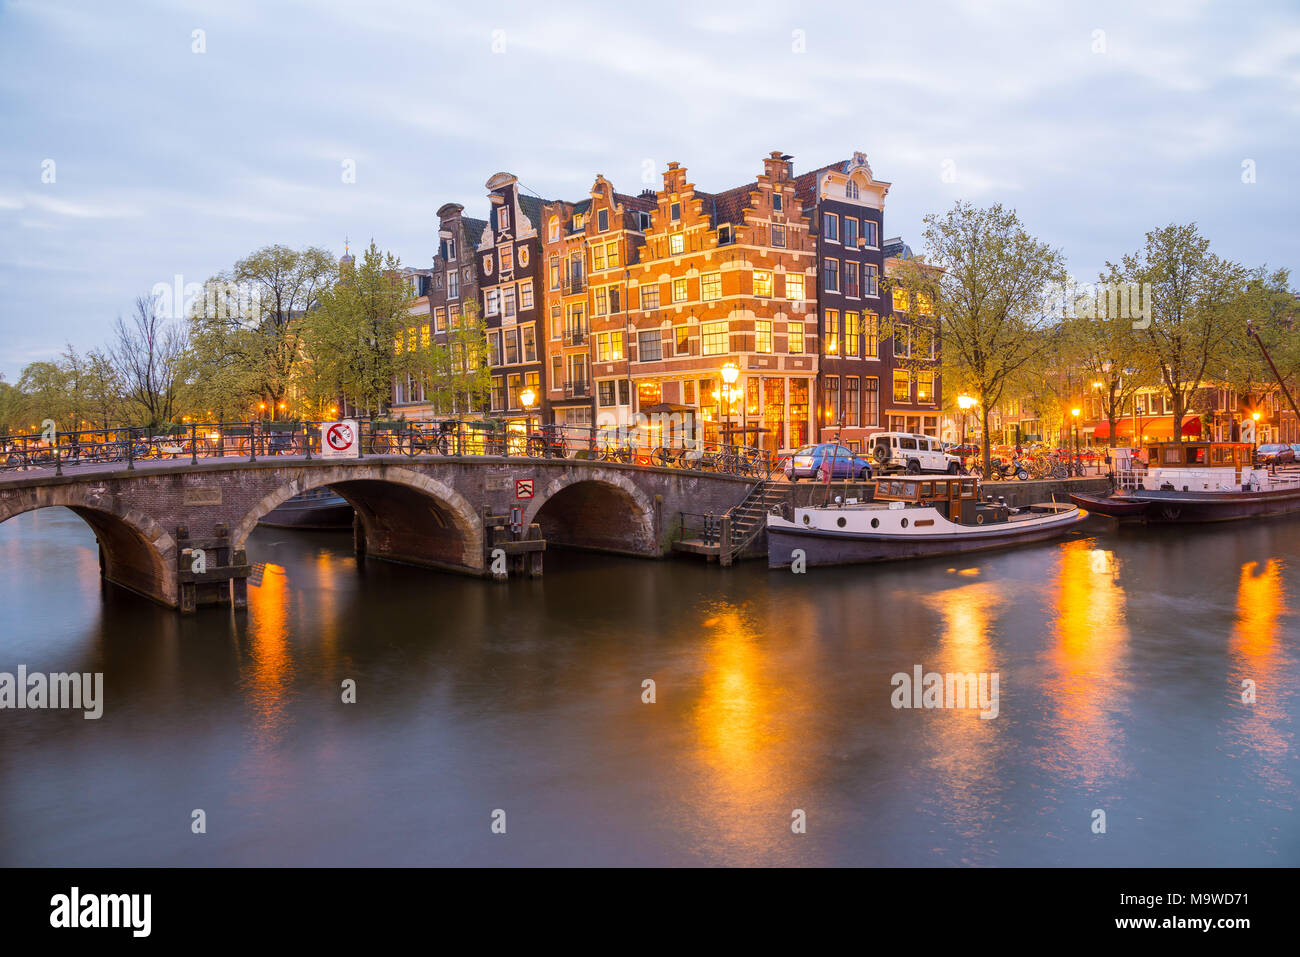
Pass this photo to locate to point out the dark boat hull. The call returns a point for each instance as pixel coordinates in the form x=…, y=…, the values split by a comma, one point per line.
x=1173, y=507
x=823, y=547
x=1111, y=506
x=311, y=513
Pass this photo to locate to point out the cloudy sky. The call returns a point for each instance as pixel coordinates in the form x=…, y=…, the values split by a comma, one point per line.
x=1096, y=121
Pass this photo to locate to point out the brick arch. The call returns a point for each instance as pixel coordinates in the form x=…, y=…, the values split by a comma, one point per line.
x=464, y=520
x=630, y=527
x=138, y=553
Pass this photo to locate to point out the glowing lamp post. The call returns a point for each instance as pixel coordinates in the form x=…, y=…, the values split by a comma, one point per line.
x=965, y=403
x=528, y=397
x=730, y=373
x=1074, y=414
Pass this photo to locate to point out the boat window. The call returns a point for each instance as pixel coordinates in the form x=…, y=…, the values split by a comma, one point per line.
x=1173, y=455
x=1196, y=455
x=968, y=489
x=927, y=490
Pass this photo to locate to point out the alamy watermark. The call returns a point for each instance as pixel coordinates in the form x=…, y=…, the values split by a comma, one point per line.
x=1099, y=300
x=84, y=691
x=217, y=299
x=922, y=689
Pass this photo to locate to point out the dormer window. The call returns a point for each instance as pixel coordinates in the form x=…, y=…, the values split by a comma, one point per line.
x=724, y=234
x=553, y=230
x=579, y=221
x=643, y=219
x=851, y=189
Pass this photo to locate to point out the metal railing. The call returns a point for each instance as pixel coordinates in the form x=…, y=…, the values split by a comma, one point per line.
x=250, y=441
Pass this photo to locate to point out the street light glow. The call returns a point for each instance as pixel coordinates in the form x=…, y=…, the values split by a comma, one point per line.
x=965, y=402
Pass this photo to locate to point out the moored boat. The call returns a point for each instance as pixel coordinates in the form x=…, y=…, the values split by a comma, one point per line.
x=318, y=508
x=913, y=516
x=1198, y=482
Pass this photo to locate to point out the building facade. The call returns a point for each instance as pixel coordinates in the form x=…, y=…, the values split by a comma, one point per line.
x=450, y=283
x=727, y=278
x=590, y=246
x=510, y=265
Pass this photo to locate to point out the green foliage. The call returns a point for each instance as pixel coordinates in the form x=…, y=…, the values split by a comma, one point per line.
x=987, y=292
x=357, y=341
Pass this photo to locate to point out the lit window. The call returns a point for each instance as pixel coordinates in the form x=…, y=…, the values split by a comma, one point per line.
x=711, y=286
x=794, y=285
x=763, y=284
x=762, y=335
x=679, y=290
x=902, y=386
x=676, y=243
x=794, y=331
x=650, y=296
x=832, y=332
x=925, y=387
x=715, y=338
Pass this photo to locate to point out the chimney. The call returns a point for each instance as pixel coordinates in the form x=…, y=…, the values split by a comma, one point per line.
x=675, y=178
x=777, y=168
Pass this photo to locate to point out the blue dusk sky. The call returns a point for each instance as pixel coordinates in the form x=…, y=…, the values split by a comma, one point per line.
x=1097, y=121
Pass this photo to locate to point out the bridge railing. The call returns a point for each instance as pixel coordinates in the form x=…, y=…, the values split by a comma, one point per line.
x=253, y=440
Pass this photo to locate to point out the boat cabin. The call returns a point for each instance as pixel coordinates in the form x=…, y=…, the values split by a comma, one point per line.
x=955, y=497
x=1201, y=455
x=1198, y=466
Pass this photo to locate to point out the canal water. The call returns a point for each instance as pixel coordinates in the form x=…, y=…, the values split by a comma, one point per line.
x=1121, y=659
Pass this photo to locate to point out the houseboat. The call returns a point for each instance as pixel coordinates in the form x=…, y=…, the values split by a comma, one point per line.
x=911, y=516
x=1196, y=482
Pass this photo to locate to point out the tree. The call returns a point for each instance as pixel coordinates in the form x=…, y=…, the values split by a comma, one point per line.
x=360, y=339
x=1270, y=306
x=1111, y=359
x=1198, y=309
x=147, y=354
x=461, y=379
x=225, y=366
x=988, y=294
x=277, y=287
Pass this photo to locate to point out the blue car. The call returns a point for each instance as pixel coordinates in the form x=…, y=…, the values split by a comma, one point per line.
x=807, y=463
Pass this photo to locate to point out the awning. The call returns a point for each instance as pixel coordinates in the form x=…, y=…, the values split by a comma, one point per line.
x=1152, y=426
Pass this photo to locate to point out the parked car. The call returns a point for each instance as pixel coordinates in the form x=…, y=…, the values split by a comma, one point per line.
x=1275, y=454
x=807, y=463
x=908, y=452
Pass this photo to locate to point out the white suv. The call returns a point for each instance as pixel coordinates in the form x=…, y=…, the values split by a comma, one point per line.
x=905, y=452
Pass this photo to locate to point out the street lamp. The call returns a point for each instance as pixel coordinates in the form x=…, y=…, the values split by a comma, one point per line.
x=1075, y=414
x=730, y=373
x=528, y=397
x=1255, y=434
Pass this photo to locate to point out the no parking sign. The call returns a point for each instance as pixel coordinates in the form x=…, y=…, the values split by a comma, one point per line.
x=340, y=440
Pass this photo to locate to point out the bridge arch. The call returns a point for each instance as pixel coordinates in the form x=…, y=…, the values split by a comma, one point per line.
x=405, y=515
x=135, y=551
x=600, y=509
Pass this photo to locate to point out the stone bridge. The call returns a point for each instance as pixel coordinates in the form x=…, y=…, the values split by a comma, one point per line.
x=445, y=512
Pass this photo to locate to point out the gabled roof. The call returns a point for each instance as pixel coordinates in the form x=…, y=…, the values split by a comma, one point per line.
x=473, y=230
x=805, y=184
x=532, y=208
